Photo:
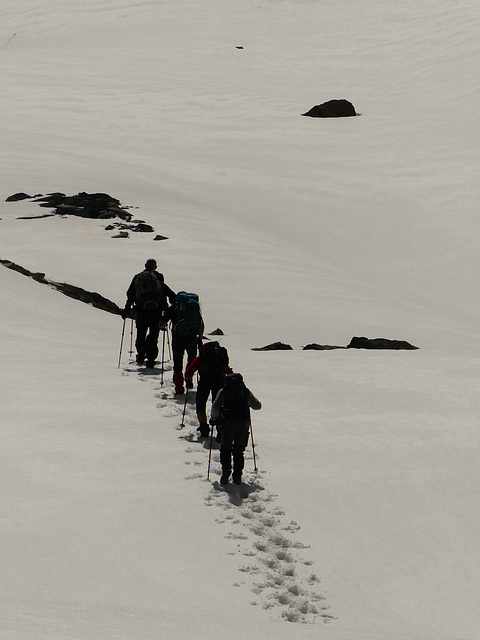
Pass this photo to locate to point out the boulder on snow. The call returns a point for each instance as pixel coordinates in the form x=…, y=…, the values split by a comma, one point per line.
x=378, y=343
x=275, y=346
x=320, y=347
x=332, y=109
x=18, y=196
x=216, y=332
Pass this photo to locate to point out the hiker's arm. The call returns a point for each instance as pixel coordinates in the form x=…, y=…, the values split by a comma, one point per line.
x=192, y=367
x=171, y=295
x=253, y=402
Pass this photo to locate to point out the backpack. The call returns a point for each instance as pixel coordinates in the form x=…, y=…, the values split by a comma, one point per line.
x=189, y=317
x=148, y=291
x=235, y=397
x=213, y=360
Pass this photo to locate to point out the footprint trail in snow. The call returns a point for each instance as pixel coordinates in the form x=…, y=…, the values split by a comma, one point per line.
x=276, y=574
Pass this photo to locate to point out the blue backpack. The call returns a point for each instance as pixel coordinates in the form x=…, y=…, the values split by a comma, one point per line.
x=189, y=318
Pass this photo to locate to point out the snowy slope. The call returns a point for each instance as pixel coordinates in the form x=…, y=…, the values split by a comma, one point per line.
x=365, y=507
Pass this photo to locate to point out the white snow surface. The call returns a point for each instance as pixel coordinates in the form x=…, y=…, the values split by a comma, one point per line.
x=363, y=518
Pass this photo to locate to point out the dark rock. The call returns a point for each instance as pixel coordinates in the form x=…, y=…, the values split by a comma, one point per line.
x=378, y=343
x=88, y=297
x=332, y=109
x=18, y=196
x=275, y=346
x=158, y=237
x=143, y=228
x=70, y=290
x=45, y=215
x=319, y=347
x=216, y=332
x=50, y=200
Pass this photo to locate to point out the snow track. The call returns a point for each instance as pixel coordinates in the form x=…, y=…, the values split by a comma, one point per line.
x=276, y=572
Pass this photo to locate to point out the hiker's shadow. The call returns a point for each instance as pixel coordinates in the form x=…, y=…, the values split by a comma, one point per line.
x=237, y=493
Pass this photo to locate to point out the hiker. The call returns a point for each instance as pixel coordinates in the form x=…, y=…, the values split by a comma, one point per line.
x=187, y=331
x=212, y=366
x=147, y=295
x=231, y=409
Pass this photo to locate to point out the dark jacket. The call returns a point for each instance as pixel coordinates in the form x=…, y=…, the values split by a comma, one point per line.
x=216, y=414
x=132, y=291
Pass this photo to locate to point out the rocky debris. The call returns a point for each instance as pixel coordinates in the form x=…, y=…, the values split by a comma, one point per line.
x=45, y=215
x=16, y=197
x=320, y=347
x=85, y=205
x=332, y=109
x=378, y=343
x=355, y=343
x=100, y=206
x=70, y=290
x=216, y=332
x=275, y=346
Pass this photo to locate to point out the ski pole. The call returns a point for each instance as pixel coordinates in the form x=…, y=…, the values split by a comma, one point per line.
x=184, y=408
x=168, y=344
x=210, y=454
x=163, y=356
x=253, y=448
x=121, y=343
x=131, y=339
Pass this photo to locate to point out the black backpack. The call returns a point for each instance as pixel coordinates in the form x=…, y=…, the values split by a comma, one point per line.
x=235, y=397
x=148, y=291
x=213, y=360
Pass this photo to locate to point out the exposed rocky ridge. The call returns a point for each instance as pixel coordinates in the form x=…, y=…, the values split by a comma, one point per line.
x=70, y=290
x=100, y=206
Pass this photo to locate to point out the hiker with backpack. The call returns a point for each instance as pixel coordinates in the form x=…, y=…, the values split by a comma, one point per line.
x=148, y=297
x=212, y=366
x=187, y=331
x=231, y=410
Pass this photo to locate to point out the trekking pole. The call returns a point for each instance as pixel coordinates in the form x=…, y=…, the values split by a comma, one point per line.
x=184, y=409
x=131, y=339
x=121, y=343
x=253, y=448
x=168, y=344
x=210, y=454
x=163, y=356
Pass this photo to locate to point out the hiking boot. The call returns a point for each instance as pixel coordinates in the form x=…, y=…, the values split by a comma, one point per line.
x=204, y=429
x=224, y=478
x=189, y=383
x=150, y=364
x=140, y=359
x=236, y=479
x=179, y=391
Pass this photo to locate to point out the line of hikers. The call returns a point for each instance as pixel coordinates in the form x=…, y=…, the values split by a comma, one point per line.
x=153, y=305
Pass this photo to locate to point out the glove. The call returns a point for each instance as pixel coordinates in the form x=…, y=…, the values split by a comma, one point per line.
x=125, y=313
